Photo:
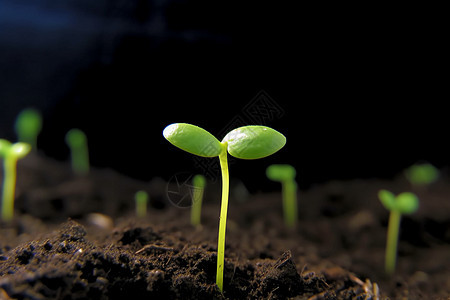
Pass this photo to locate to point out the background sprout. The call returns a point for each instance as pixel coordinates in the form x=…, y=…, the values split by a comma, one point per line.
x=10, y=153
x=28, y=126
x=404, y=203
x=286, y=175
x=422, y=174
x=247, y=142
x=198, y=182
x=141, y=199
x=77, y=142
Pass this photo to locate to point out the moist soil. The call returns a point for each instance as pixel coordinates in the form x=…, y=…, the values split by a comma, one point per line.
x=77, y=237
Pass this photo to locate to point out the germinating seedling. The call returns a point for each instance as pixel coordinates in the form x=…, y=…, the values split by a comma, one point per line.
x=247, y=142
x=422, y=174
x=77, y=142
x=10, y=153
x=198, y=183
x=141, y=199
x=404, y=203
x=28, y=126
x=286, y=175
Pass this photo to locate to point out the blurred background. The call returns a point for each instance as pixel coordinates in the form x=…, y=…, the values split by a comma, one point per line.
x=359, y=92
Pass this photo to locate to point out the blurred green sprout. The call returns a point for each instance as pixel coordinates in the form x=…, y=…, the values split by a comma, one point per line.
x=286, y=175
x=28, y=125
x=403, y=203
x=10, y=153
x=141, y=200
x=422, y=174
x=198, y=185
x=247, y=142
x=77, y=142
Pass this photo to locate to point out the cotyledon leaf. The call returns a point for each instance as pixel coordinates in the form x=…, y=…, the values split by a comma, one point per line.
x=253, y=141
x=193, y=139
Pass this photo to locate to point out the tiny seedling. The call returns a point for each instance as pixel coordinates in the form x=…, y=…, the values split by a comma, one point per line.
x=422, y=174
x=286, y=175
x=403, y=203
x=247, y=142
x=198, y=184
x=28, y=126
x=11, y=153
x=77, y=142
x=141, y=199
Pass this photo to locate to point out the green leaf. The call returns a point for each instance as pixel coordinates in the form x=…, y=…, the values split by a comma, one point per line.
x=407, y=203
x=252, y=142
x=280, y=172
x=193, y=139
x=422, y=174
x=387, y=199
x=5, y=145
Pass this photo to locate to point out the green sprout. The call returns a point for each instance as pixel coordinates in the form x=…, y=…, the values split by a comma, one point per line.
x=28, y=126
x=141, y=199
x=422, y=174
x=286, y=175
x=403, y=203
x=77, y=142
x=11, y=153
x=247, y=142
x=198, y=182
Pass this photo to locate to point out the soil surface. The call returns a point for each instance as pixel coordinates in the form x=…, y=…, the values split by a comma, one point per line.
x=78, y=238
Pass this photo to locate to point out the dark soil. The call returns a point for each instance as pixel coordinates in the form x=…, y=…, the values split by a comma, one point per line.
x=57, y=248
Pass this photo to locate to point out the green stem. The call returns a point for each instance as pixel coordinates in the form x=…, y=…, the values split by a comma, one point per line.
x=80, y=159
x=223, y=217
x=392, y=241
x=289, y=191
x=9, y=187
x=196, y=209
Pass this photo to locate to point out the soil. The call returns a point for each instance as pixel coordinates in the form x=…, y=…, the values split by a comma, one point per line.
x=78, y=238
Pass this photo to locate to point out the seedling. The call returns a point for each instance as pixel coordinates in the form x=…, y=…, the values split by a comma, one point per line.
x=28, y=126
x=198, y=182
x=11, y=153
x=422, y=174
x=247, y=142
x=141, y=199
x=286, y=175
x=404, y=203
x=77, y=142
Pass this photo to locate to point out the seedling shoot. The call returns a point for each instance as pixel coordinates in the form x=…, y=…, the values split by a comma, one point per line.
x=247, y=142
x=198, y=183
x=286, y=175
x=10, y=153
x=28, y=126
x=404, y=203
x=77, y=142
x=141, y=200
x=422, y=174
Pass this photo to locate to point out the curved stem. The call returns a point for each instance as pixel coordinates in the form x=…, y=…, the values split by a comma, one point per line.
x=223, y=217
x=9, y=187
x=392, y=241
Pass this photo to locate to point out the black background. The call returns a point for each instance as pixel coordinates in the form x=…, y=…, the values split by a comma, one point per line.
x=359, y=92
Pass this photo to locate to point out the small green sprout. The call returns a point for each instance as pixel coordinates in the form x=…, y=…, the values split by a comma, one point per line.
x=198, y=182
x=28, y=126
x=247, y=142
x=422, y=174
x=403, y=203
x=286, y=175
x=11, y=153
x=77, y=142
x=141, y=199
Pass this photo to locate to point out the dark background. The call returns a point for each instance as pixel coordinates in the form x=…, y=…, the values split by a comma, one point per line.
x=359, y=92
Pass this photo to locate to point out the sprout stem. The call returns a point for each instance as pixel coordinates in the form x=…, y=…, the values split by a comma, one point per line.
x=392, y=241
x=197, y=196
x=9, y=187
x=223, y=216
x=289, y=191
